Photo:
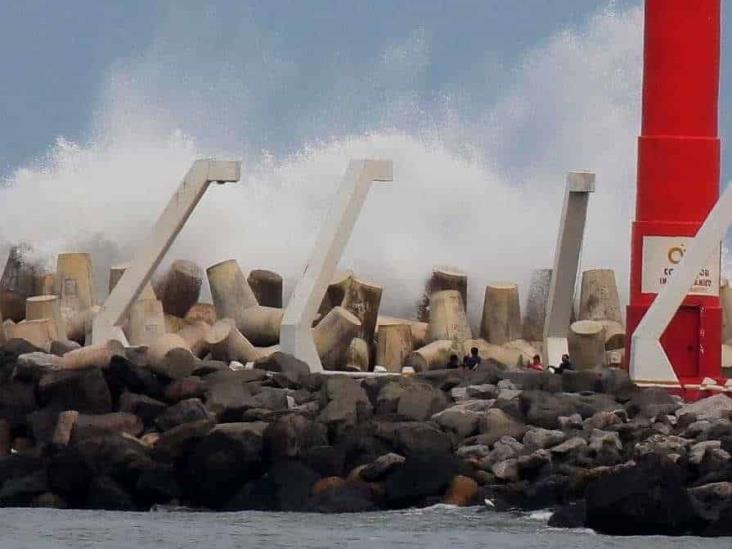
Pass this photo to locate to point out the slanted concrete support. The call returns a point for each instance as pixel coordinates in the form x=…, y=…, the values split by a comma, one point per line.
x=649, y=363
x=566, y=263
x=131, y=284
x=296, y=336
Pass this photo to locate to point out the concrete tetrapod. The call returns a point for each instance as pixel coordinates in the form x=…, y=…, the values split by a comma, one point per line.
x=433, y=356
x=230, y=290
x=333, y=335
x=420, y=330
x=587, y=344
x=227, y=343
x=336, y=291
x=74, y=281
x=194, y=334
x=443, y=278
x=46, y=306
x=181, y=287
x=357, y=356
x=267, y=287
x=41, y=332
x=394, y=343
x=146, y=322
x=18, y=282
x=363, y=299
x=725, y=299
x=202, y=311
x=261, y=325
x=447, y=317
x=599, y=296
x=501, y=320
x=536, y=304
x=296, y=335
x=116, y=272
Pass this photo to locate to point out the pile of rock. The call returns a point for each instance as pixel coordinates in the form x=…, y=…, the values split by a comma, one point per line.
x=114, y=431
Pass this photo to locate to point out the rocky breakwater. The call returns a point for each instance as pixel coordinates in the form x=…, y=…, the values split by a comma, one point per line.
x=111, y=432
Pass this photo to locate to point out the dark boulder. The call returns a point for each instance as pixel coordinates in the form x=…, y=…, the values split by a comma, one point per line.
x=182, y=389
x=581, y=381
x=544, y=409
x=651, y=402
x=293, y=484
x=179, y=440
x=143, y=406
x=105, y=493
x=572, y=515
x=327, y=461
x=20, y=492
x=421, y=477
x=290, y=435
x=349, y=497
x=648, y=499
x=414, y=437
x=157, y=485
x=191, y=409
x=124, y=375
x=85, y=391
x=291, y=371
x=220, y=463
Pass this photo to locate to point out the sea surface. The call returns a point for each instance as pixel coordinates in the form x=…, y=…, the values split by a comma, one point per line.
x=439, y=526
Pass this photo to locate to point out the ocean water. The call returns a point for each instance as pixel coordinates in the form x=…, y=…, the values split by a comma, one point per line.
x=435, y=527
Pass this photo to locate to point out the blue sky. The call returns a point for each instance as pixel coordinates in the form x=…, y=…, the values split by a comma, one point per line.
x=55, y=56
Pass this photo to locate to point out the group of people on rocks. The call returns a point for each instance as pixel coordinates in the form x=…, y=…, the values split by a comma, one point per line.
x=472, y=361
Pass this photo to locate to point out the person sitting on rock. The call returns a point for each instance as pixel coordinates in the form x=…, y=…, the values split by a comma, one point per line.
x=565, y=365
x=453, y=363
x=473, y=360
x=536, y=364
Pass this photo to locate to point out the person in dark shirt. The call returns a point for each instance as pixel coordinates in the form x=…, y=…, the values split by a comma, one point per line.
x=473, y=360
x=453, y=363
x=565, y=365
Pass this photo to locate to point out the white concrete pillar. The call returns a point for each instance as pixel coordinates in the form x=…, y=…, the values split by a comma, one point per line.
x=296, y=336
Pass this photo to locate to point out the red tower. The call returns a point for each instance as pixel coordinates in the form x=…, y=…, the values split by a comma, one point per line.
x=678, y=177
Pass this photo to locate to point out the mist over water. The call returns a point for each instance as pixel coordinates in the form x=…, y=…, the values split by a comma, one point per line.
x=477, y=185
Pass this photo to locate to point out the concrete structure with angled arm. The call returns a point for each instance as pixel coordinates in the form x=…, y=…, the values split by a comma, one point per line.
x=203, y=172
x=566, y=264
x=296, y=335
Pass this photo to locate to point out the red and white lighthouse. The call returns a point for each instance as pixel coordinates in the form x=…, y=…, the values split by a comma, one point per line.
x=678, y=178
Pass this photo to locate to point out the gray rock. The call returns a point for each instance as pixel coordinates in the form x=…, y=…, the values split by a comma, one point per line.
x=484, y=391
x=573, y=444
x=377, y=470
x=663, y=445
x=697, y=428
x=415, y=437
x=473, y=405
x=529, y=465
x=462, y=422
x=651, y=402
x=388, y=397
x=173, y=442
x=713, y=407
x=177, y=364
x=31, y=366
x=505, y=448
x=143, y=406
x=269, y=398
x=697, y=451
x=289, y=368
x=476, y=451
x=710, y=500
x=226, y=401
x=506, y=470
x=570, y=422
x=240, y=429
x=506, y=384
x=538, y=438
x=291, y=435
x=496, y=424
x=544, y=409
x=601, y=420
x=347, y=402
x=601, y=440
x=421, y=401
x=191, y=409
x=459, y=393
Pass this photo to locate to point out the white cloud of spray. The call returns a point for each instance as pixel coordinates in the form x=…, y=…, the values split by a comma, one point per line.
x=480, y=191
